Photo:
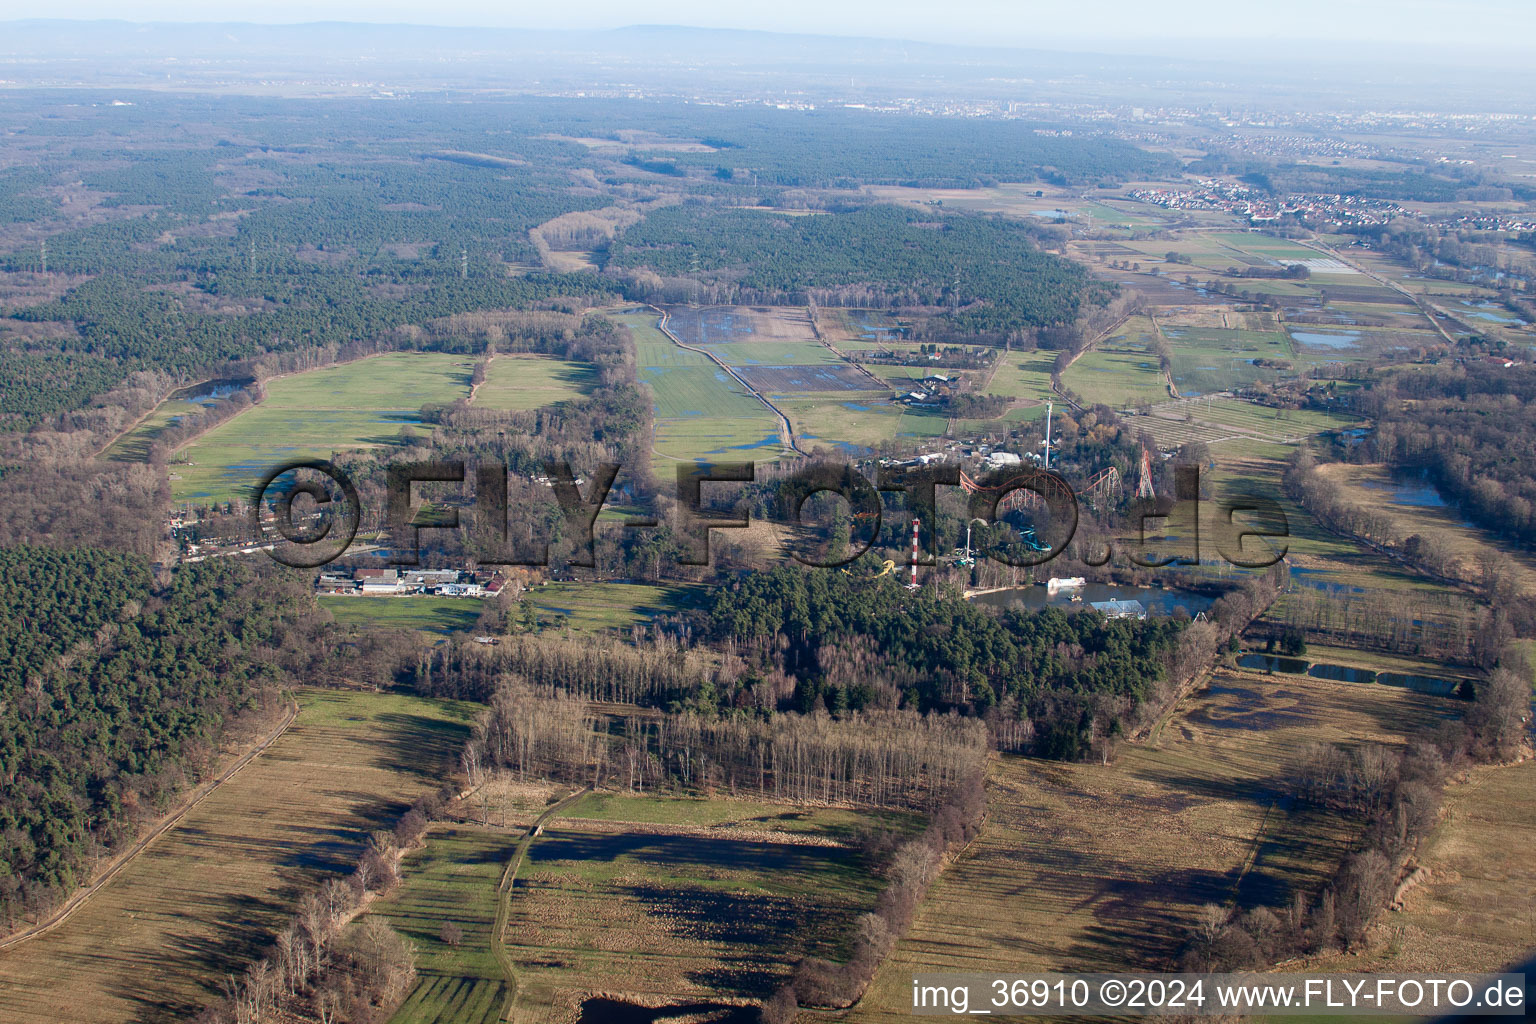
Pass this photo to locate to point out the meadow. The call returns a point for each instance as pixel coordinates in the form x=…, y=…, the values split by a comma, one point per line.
x=1473, y=911
x=452, y=878
x=362, y=404
x=680, y=909
x=134, y=445
x=521, y=382
x=1080, y=865
x=653, y=898
x=598, y=607
x=424, y=612
x=1118, y=373
x=154, y=944
x=1469, y=548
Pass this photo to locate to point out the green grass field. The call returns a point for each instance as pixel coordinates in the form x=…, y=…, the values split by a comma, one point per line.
x=361, y=404
x=425, y=612
x=701, y=413
x=134, y=445
x=520, y=382
x=1118, y=377
x=1024, y=375
x=597, y=607
x=453, y=878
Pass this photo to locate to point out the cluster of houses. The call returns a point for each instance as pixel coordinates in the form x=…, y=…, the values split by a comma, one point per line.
x=931, y=392
x=395, y=582
x=1259, y=206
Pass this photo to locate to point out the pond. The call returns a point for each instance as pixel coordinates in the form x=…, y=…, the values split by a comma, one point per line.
x=1273, y=663
x=1421, y=684
x=1342, y=673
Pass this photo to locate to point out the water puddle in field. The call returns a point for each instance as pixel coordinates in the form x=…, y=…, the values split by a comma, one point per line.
x=1330, y=339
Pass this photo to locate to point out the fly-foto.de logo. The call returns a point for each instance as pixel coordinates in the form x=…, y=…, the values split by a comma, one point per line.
x=313, y=508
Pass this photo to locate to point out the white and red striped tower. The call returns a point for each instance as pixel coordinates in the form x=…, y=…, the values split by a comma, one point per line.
x=916, y=522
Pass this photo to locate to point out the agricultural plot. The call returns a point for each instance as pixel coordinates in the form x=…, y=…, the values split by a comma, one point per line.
x=1081, y=866
x=1031, y=199
x=155, y=943
x=597, y=607
x=1473, y=911
x=790, y=380
x=854, y=329
x=1321, y=558
x=362, y=404
x=453, y=878
x=1414, y=507
x=424, y=612
x=1117, y=373
x=707, y=903
x=1207, y=359
x=1220, y=420
x=700, y=411
x=727, y=325
x=853, y=423
x=521, y=382
x=134, y=445
x=1024, y=376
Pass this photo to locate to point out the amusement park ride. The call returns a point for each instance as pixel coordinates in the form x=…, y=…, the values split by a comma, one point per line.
x=1101, y=492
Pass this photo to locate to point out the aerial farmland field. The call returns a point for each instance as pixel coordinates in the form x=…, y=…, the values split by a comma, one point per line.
x=153, y=945
x=362, y=404
x=700, y=411
x=520, y=382
x=1080, y=865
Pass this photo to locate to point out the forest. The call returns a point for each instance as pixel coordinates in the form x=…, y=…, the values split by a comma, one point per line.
x=988, y=271
x=116, y=694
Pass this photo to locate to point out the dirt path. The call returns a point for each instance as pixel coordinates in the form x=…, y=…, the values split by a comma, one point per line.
x=127, y=857
x=504, y=897
x=786, y=429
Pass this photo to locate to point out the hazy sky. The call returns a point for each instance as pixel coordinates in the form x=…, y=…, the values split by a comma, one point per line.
x=1498, y=24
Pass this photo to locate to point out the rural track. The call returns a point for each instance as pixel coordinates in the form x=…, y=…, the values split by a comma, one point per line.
x=504, y=896
x=1056, y=385
x=129, y=855
x=786, y=429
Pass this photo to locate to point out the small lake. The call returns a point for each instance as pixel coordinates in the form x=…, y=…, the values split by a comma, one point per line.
x=1157, y=600
x=1273, y=663
x=1413, y=493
